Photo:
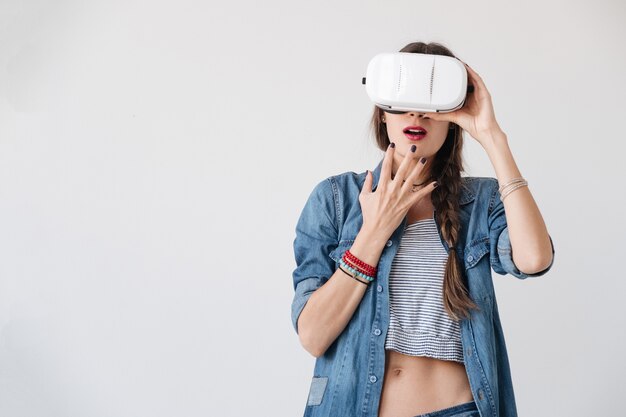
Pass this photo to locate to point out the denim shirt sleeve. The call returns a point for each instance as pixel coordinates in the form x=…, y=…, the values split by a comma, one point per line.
x=500, y=243
x=316, y=237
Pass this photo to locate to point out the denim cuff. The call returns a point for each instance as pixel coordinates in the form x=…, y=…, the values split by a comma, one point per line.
x=505, y=255
x=305, y=288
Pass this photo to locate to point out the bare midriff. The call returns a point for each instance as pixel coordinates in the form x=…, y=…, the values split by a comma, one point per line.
x=414, y=385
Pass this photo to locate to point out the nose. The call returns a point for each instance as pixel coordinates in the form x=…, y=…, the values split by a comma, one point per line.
x=412, y=113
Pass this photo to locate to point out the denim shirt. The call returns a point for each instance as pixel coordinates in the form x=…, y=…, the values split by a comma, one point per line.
x=347, y=379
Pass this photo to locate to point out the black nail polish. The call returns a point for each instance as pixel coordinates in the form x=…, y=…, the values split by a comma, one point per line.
x=413, y=148
x=436, y=185
x=423, y=160
x=393, y=145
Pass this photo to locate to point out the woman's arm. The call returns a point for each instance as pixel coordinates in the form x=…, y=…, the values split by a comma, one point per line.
x=530, y=242
x=325, y=298
x=330, y=307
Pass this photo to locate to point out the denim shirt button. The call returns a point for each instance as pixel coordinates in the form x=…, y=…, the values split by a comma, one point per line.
x=480, y=394
x=389, y=243
x=470, y=258
x=377, y=332
x=379, y=288
x=469, y=351
x=373, y=378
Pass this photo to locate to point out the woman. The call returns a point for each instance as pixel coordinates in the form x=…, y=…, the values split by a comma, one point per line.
x=393, y=289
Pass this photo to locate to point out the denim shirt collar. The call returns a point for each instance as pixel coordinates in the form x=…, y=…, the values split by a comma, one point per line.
x=466, y=195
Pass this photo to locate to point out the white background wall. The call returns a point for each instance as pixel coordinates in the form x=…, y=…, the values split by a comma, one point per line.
x=155, y=156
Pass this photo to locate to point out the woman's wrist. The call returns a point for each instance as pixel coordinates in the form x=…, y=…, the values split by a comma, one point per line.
x=368, y=246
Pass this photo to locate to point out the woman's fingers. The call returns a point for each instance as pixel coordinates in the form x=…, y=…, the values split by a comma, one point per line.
x=367, y=185
x=422, y=192
x=406, y=166
x=477, y=81
x=385, y=170
x=414, y=175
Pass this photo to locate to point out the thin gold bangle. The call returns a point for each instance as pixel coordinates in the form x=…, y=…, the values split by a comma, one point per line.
x=511, y=190
x=512, y=186
x=511, y=182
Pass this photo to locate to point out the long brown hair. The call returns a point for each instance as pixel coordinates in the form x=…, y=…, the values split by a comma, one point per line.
x=446, y=169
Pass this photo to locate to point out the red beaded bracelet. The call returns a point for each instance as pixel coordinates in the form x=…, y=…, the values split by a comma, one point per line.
x=356, y=267
x=359, y=264
x=365, y=271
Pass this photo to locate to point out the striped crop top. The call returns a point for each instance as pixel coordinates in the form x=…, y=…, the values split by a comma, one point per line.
x=419, y=325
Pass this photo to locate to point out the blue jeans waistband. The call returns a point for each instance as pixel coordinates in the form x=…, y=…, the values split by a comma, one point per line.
x=461, y=410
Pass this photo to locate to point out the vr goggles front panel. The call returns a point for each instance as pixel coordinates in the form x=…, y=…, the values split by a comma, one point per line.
x=403, y=81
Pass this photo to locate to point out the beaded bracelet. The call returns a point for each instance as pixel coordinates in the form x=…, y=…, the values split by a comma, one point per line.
x=359, y=264
x=343, y=263
x=353, y=277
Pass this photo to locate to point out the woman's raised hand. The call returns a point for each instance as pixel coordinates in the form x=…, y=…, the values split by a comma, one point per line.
x=384, y=209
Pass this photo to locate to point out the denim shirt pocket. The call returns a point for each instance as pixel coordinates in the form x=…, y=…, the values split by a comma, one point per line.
x=316, y=391
x=475, y=251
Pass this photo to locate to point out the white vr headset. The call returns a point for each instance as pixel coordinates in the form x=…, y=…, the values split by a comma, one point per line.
x=398, y=82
